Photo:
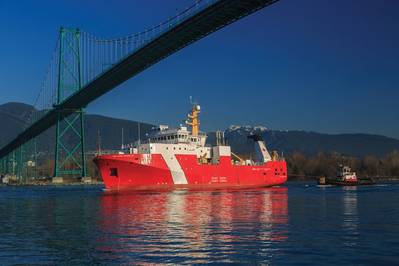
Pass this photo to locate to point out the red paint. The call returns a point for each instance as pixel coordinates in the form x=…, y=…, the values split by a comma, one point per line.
x=150, y=171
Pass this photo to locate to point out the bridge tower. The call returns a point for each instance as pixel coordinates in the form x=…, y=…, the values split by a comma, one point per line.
x=70, y=137
x=11, y=163
x=20, y=169
x=3, y=166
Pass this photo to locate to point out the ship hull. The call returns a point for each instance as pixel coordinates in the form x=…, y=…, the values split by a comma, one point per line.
x=145, y=171
x=360, y=182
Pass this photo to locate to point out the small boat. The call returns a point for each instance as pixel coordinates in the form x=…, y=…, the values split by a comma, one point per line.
x=346, y=177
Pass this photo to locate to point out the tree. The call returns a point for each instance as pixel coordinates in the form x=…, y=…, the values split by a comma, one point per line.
x=370, y=165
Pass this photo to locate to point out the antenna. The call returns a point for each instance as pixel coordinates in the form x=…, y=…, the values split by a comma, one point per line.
x=99, y=142
x=123, y=146
x=138, y=132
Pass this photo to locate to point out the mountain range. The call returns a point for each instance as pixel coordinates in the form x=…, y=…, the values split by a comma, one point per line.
x=107, y=132
x=99, y=130
x=310, y=143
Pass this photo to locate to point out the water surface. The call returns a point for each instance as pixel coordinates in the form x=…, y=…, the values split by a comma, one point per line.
x=298, y=223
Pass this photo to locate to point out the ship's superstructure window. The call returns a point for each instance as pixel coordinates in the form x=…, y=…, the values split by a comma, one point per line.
x=165, y=135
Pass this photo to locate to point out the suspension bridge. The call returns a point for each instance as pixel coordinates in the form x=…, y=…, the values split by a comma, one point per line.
x=84, y=67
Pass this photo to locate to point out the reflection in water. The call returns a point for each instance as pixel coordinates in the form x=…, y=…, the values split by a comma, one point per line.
x=194, y=225
x=82, y=225
x=350, y=216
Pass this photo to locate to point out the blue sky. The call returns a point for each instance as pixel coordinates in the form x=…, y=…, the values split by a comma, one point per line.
x=319, y=65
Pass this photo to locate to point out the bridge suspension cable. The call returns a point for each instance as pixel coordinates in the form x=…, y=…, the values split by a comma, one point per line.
x=84, y=67
x=98, y=55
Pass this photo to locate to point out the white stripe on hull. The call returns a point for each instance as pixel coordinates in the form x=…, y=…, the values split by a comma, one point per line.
x=179, y=178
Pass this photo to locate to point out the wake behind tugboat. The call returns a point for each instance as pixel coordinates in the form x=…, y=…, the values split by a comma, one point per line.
x=180, y=158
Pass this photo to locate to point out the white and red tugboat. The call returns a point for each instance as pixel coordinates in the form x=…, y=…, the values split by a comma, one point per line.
x=179, y=158
x=346, y=177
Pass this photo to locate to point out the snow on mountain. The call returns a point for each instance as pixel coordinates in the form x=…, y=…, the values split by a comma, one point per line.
x=247, y=128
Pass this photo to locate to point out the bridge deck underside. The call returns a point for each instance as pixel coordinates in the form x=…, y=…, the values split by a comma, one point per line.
x=209, y=20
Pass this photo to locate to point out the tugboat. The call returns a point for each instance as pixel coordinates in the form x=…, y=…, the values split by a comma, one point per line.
x=346, y=177
x=179, y=157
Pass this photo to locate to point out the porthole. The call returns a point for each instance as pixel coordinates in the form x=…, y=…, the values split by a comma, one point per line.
x=113, y=172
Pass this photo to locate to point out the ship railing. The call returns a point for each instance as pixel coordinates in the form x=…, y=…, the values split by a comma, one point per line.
x=105, y=152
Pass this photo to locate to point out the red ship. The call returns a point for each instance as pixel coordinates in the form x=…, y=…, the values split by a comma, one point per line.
x=180, y=158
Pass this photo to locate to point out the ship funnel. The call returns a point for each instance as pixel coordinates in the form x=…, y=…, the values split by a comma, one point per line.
x=262, y=154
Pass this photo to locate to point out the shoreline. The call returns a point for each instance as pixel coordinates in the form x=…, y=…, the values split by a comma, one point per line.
x=376, y=179
x=100, y=183
x=39, y=184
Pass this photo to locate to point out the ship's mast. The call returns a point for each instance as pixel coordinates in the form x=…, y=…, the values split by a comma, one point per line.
x=123, y=142
x=193, y=119
x=99, y=142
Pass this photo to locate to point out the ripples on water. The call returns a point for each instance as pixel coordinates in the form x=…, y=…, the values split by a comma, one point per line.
x=297, y=223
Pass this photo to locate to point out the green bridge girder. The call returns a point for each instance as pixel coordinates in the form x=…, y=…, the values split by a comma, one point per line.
x=214, y=17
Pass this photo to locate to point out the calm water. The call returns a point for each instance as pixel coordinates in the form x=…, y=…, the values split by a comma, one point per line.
x=295, y=224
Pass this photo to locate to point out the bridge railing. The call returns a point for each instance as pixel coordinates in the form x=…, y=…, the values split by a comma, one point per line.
x=86, y=67
x=98, y=55
x=80, y=58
